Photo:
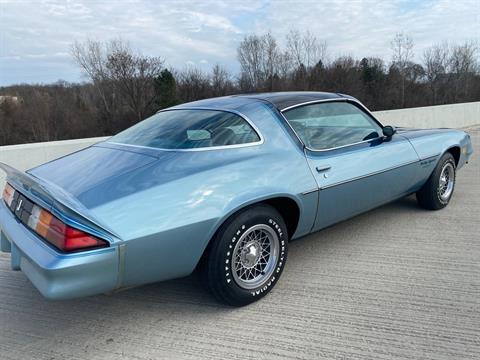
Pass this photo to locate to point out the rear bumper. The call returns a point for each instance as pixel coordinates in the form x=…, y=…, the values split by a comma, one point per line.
x=56, y=275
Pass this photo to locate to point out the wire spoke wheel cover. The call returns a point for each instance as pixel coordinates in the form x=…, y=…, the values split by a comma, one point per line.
x=255, y=256
x=446, y=182
x=247, y=256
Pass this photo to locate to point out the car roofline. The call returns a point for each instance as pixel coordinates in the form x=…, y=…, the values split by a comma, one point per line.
x=257, y=98
x=279, y=98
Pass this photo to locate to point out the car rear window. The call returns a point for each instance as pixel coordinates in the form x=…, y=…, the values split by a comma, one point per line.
x=189, y=129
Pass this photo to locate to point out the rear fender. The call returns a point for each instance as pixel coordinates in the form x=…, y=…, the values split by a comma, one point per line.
x=307, y=205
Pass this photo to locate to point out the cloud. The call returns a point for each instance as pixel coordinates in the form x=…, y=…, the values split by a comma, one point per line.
x=363, y=28
x=35, y=36
x=200, y=20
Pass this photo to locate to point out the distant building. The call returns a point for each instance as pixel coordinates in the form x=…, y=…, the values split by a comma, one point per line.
x=12, y=99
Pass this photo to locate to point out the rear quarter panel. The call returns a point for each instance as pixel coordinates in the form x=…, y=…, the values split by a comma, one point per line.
x=167, y=212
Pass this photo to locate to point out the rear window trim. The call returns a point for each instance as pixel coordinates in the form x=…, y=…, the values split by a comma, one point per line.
x=207, y=148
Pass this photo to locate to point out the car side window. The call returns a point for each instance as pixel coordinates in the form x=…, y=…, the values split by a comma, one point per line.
x=329, y=125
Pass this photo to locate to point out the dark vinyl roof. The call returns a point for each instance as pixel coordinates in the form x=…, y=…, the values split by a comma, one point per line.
x=282, y=100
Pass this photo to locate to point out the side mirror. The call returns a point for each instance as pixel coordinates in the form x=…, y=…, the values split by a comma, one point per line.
x=388, y=131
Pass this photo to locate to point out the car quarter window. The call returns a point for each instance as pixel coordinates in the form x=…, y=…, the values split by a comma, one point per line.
x=329, y=125
x=189, y=129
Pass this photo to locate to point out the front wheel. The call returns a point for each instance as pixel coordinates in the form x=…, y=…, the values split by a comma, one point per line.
x=247, y=256
x=438, y=190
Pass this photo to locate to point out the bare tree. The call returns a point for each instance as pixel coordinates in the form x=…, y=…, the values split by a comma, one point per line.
x=402, y=48
x=221, y=81
x=269, y=59
x=436, y=62
x=306, y=53
x=260, y=60
x=117, y=71
x=192, y=84
x=463, y=65
x=344, y=75
x=249, y=55
x=133, y=75
x=305, y=48
x=91, y=57
x=284, y=69
x=7, y=115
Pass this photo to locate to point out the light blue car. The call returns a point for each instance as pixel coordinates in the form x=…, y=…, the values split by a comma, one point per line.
x=221, y=185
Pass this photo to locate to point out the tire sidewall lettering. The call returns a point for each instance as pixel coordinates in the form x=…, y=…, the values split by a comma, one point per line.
x=228, y=257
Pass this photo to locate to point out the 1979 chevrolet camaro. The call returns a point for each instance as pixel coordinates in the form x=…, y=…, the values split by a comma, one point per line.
x=219, y=185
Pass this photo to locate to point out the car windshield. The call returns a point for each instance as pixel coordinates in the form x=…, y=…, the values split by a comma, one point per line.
x=189, y=129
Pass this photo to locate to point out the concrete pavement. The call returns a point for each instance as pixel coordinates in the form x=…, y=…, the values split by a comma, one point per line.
x=398, y=282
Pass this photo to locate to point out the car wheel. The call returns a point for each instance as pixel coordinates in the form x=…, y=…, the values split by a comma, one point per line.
x=247, y=256
x=438, y=190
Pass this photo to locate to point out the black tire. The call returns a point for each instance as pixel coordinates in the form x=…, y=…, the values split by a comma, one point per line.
x=429, y=196
x=217, y=266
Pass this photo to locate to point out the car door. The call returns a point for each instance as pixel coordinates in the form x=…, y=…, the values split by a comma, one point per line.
x=356, y=168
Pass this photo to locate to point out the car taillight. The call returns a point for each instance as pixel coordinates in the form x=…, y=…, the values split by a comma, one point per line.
x=8, y=193
x=59, y=234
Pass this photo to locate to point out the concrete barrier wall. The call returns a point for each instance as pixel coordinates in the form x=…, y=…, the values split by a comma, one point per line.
x=27, y=156
x=449, y=116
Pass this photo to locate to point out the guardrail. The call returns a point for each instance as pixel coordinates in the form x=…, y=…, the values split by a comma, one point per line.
x=26, y=156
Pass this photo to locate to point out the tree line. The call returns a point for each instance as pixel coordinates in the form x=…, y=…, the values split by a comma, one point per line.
x=125, y=86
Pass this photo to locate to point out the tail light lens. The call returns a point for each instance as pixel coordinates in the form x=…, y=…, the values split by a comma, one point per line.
x=53, y=230
x=59, y=234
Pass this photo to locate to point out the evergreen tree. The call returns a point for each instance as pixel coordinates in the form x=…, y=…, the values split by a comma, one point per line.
x=165, y=89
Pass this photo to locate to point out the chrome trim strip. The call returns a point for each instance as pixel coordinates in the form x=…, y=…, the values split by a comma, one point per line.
x=310, y=191
x=192, y=149
x=235, y=146
x=121, y=266
x=312, y=102
x=368, y=175
x=343, y=146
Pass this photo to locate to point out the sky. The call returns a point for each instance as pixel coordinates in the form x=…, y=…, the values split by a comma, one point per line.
x=36, y=36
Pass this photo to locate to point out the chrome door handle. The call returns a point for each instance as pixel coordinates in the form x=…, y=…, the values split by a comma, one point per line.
x=323, y=168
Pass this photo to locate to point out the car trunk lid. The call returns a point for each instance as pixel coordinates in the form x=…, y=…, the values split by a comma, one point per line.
x=85, y=169
x=57, y=185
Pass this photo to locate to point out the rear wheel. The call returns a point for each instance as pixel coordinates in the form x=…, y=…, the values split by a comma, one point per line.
x=247, y=256
x=438, y=190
